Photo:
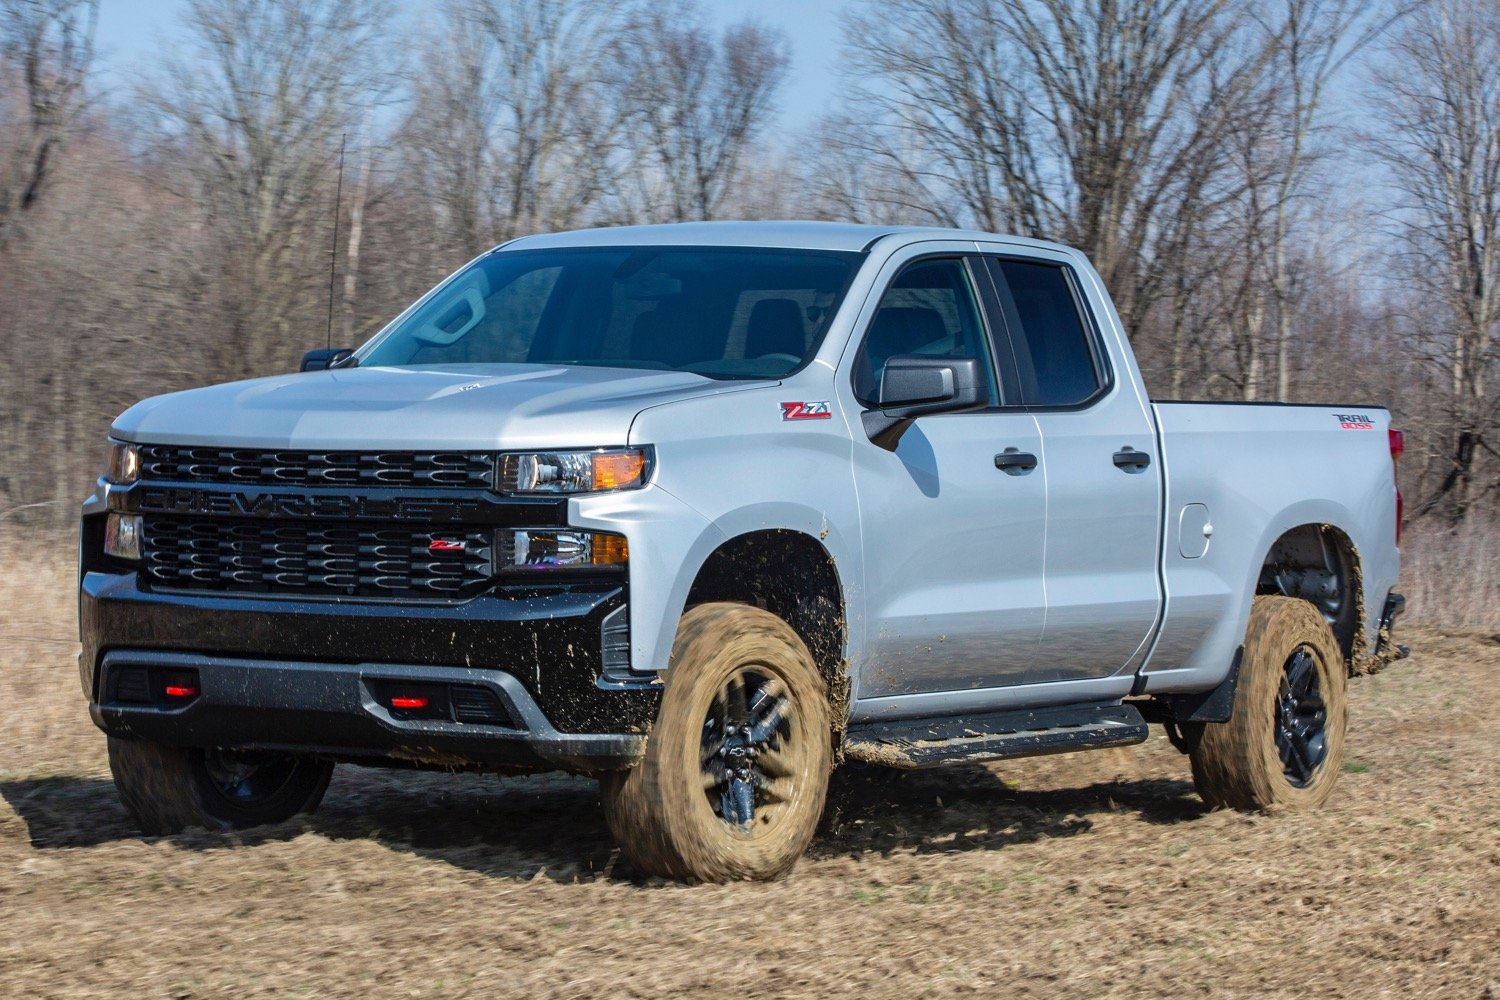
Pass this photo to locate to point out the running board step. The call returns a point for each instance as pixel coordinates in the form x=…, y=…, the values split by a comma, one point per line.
x=996, y=736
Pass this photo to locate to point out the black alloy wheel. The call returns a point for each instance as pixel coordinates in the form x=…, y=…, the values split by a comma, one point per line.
x=745, y=736
x=170, y=788
x=245, y=779
x=1282, y=743
x=1301, y=718
x=735, y=770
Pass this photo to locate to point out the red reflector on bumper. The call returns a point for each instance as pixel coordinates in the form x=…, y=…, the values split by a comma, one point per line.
x=400, y=702
x=181, y=691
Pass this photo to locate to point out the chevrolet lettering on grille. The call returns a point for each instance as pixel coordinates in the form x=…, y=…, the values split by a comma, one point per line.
x=166, y=500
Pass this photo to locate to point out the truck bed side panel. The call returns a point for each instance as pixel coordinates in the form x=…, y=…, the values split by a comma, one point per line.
x=1261, y=471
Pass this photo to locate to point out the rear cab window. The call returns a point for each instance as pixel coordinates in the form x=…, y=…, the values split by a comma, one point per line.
x=1057, y=357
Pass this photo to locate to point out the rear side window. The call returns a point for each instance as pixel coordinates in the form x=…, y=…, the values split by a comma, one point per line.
x=1055, y=358
x=929, y=310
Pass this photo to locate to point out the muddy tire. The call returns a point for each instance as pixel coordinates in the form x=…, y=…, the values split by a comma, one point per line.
x=1283, y=744
x=736, y=767
x=168, y=789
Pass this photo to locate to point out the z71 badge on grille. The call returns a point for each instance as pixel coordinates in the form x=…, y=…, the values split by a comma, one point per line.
x=821, y=410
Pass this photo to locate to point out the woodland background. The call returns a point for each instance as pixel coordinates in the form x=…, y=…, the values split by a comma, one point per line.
x=1289, y=199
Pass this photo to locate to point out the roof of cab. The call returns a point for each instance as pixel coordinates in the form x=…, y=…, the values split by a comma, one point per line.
x=781, y=234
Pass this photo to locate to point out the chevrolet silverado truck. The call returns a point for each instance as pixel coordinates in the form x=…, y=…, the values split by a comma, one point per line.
x=705, y=510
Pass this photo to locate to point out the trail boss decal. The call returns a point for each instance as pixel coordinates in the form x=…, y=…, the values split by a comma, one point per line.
x=821, y=410
x=1355, y=422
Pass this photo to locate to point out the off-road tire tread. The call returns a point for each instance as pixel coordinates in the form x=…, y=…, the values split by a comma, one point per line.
x=157, y=785
x=1235, y=763
x=658, y=823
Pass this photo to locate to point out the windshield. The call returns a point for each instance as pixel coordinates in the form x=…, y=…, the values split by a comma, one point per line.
x=726, y=313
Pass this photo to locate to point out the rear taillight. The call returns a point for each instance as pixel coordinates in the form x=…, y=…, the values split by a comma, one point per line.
x=1398, y=448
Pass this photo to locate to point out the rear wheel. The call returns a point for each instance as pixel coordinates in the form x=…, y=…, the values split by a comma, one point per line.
x=736, y=768
x=168, y=789
x=1283, y=744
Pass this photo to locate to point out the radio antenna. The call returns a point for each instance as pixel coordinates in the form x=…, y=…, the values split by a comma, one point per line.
x=333, y=252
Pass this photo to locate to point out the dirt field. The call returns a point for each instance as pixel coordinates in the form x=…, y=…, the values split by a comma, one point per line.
x=1086, y=875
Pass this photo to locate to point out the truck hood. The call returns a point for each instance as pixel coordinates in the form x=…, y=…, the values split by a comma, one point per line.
x=451, y=407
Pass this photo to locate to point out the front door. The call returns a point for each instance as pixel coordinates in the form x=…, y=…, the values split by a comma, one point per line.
x=953, y=537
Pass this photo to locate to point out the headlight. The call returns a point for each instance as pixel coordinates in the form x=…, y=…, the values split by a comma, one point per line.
x=575, y=471
x=123, y=466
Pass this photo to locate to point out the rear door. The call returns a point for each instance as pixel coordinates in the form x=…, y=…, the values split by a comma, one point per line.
x=1101, y=468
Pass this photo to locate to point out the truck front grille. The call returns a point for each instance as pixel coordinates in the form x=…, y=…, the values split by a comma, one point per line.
x=344, y=560
x=174, y=463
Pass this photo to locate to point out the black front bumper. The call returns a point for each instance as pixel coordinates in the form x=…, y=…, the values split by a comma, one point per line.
x=303, y=675
x=337, y=710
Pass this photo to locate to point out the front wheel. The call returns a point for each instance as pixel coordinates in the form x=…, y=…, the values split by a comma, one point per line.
x=1283, y=743
x=168, y=789
x=732, y=782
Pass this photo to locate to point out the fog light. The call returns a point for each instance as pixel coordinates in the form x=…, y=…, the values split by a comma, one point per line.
x=122, y=536
x=552, y=549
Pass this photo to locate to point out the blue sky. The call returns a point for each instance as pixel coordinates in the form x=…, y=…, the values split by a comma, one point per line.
x=133, y=33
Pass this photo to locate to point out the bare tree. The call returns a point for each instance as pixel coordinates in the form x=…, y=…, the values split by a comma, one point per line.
x=259, y=113
x=694, y=107
x=1440, y=109
x=101, y=304
x=359, y=203
x=865, y=170
x=509, y=131
x=1088, y=121
x=46, y=50
x=1308, y=43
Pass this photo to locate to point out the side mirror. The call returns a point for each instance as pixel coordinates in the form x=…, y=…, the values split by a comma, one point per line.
x=324, y=358
x=913, y=385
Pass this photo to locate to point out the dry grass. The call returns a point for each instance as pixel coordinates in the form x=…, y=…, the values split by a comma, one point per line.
x=1451, y=577
x=1086, y=875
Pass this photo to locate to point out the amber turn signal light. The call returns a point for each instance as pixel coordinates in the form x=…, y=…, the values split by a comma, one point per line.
x=614, y=469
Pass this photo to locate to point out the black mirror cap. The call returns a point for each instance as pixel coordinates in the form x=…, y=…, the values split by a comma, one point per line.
x=917, y=380
x=913, y=385
x=324, y=358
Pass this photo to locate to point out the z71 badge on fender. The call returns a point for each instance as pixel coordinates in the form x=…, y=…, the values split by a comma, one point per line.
x=821, y=410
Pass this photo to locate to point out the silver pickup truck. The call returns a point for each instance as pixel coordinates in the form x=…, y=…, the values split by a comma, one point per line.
x=703, y=510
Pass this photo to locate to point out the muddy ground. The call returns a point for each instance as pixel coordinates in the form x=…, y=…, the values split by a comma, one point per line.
x=1085, y=875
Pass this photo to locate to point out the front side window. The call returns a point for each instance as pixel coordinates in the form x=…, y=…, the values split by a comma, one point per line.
x=929, y=310
x=723, y=313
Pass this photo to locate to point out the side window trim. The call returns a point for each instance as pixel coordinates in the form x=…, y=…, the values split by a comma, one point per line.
x=979, y=282
x=979, y=286
x=1103, y=370
x=1013, y=373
